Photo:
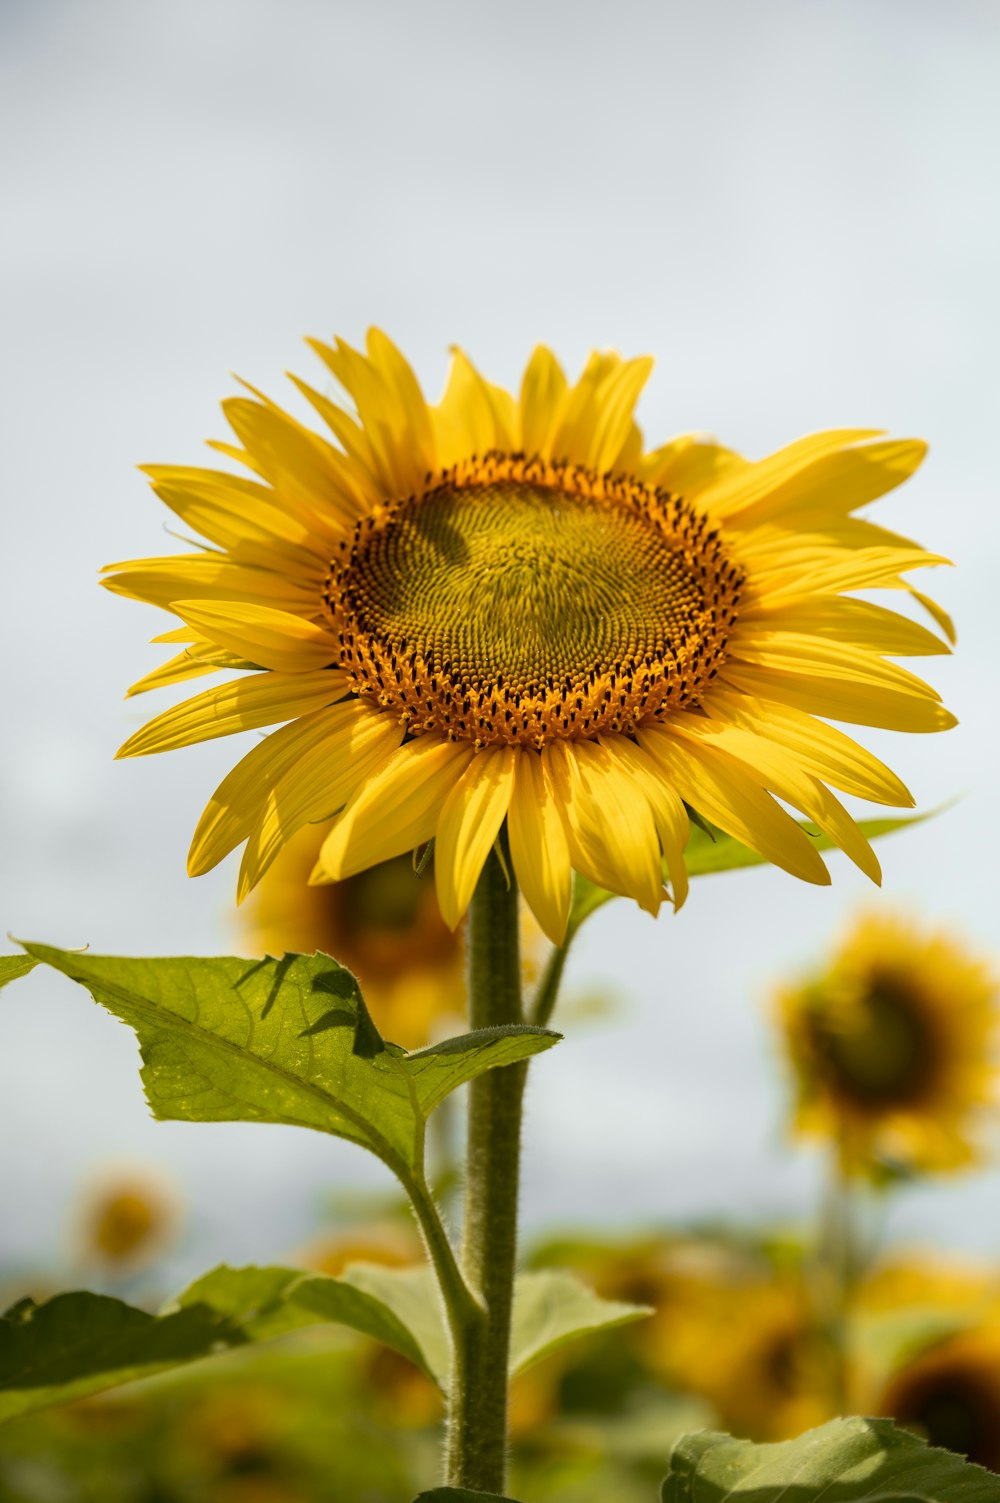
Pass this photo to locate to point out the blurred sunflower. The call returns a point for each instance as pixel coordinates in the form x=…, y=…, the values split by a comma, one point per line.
x=891, y=1048
x=950, y=1394
x=505, y=608
x=126, y=1220
x=750, y=1344
x=383, y=923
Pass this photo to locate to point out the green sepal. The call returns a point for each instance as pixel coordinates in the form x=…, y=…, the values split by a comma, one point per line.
x=81, y=1343
x=12, y=967
x=841, y=1462
x=228, y=1039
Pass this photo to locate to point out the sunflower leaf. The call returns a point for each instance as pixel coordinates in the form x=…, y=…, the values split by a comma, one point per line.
x=551, y=1308
x=80, y=1343
x=227, y=1039
x=710, y=850
x=14, y=966
x=840, y=1462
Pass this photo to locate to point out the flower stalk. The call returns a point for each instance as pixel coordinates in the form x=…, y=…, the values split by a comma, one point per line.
x=477, y=1420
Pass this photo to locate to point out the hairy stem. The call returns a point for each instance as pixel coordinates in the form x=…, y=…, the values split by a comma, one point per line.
x=477, y=1421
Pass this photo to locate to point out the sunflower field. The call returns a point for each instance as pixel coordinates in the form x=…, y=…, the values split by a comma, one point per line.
x=573, y=1077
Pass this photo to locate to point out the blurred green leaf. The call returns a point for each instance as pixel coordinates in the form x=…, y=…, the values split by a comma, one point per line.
x=412, y=1295
x=81, y=1343
x=551, y=1308
x=228, y=1039
x=841, y=1462
x=14, y=966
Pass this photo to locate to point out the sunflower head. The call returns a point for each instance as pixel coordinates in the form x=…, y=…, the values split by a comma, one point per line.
x=950, y=1395
x=890, y=1047
x=507, y=610
x=746, y=1338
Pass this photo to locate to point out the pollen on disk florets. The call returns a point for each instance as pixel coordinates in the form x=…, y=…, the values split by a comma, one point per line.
x=515, y=600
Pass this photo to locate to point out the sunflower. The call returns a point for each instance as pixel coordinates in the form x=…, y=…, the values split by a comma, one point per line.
x=127, y=1220
x=383, y=923
x=890, y=1047
x=950, y=1394
x=505, y=609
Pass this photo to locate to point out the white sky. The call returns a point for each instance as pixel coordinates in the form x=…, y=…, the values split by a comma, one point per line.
x=792, y=204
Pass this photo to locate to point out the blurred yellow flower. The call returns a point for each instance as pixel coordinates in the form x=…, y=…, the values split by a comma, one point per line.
x=892, y=1047
x=505, y=608
x=384, y=924
x=749, y=1343
x=127, y=1219
x=950, y=1394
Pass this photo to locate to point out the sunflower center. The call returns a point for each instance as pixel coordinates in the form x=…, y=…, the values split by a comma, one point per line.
x=516, y=600
x=884, y=1055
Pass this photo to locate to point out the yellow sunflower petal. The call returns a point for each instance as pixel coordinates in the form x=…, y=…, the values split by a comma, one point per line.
x=619, y=394
x=210, y=576
x=400, y=453
x=850, y=700
x=397, y=809
x=690, y=464
x=843, y=619
x=718, y=787
x=473, y=417
x=669, y=813
x=933, y=610
x=239, y=514
x=609, y=824
x=191, y=663
x=794, y=652
x=543, y=391
x=538, y=845
x=243, y=704
x=468, y=825
x=839, y=482
x=780, y=771
x=865, y=569
x=574, y=435
x=274, y=639
x=741, y=487
x=305, y=470
x=234, y=808
x=357, y=742
x=820, y=748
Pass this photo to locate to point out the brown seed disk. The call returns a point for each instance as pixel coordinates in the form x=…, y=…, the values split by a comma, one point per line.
x=515, y=600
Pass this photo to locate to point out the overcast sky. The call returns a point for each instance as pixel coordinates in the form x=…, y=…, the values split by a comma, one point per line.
x=791, y=204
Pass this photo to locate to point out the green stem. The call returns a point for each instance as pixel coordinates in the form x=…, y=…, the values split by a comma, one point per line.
x=477, y=1419
x=461, y=1306
x=842, y=1261
x=548, y=986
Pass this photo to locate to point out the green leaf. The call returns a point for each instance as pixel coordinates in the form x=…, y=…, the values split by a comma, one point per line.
x=841, y=1462
x=14, y=966
x=412, y=1295
x=78, y=1344
x=288, y=1040
x=551, y=1307
x=710, y=851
